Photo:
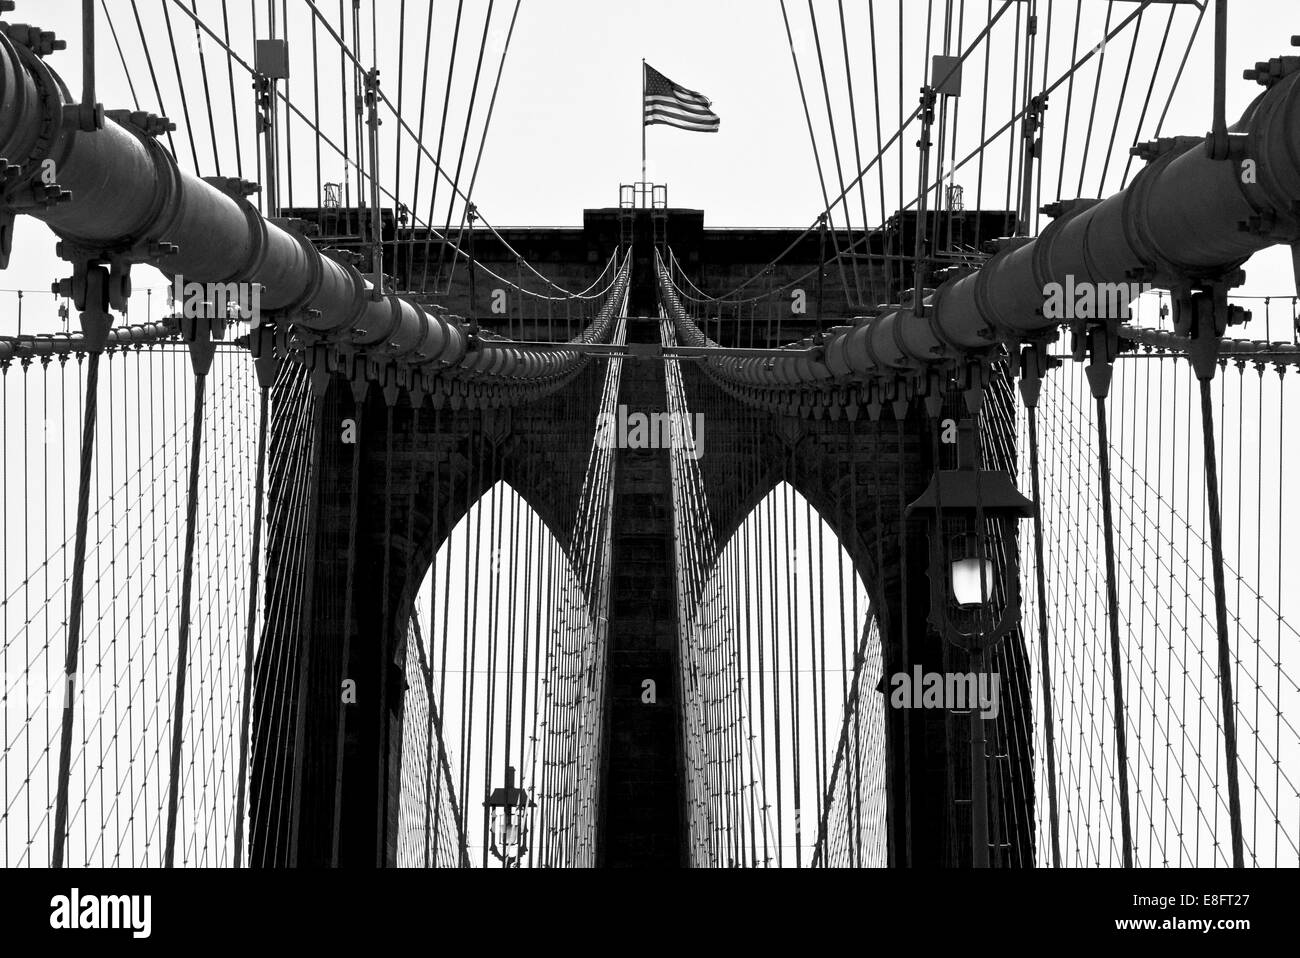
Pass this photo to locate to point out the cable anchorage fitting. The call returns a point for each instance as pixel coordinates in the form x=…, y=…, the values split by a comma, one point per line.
x=1202, y=313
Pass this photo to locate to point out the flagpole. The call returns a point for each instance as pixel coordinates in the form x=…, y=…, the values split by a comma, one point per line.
x=643, y=121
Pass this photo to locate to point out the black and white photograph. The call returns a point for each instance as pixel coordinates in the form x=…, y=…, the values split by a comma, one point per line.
x=645, y=435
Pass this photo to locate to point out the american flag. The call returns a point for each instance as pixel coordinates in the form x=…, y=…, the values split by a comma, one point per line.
x=673, y=105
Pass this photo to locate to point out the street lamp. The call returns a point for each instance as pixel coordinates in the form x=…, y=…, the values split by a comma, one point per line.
x=974, y=579
x=508, y=823
x=971, y=515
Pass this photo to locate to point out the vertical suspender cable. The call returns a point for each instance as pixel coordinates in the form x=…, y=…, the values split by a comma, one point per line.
x=1112, y=606
x=254, y=575
x=1219, y=134
x=492, y=630
x=744, y=535
x=1221, y=619
x=1049, y=724
x=904, y=644
x=385, y=651
x=469, y=623
x=1281, y=507
x=183, y=640
x=432, y=818
x=882, y=617
x=887, y=659
x=76, y=604
x=411, y=626
x=306, y=623
x=791, y=542
x=776, y=678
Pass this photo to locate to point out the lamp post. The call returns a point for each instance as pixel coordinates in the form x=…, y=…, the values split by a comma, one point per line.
x=508, y=823
x=974, y=584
